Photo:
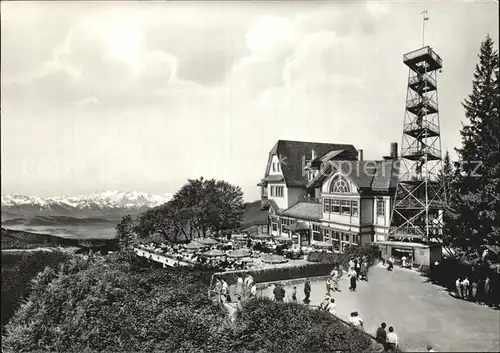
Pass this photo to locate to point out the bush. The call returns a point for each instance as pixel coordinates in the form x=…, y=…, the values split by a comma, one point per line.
x=324, y=257
x=266, y=326
x=108, y=305
x=18, y=269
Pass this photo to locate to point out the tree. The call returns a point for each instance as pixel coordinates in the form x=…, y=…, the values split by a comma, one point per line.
x=476, y=202
x=125, y=232
x=446, y=175
x=198, y=207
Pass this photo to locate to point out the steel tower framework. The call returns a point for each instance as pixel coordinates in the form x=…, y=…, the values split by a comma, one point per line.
x=420, y=198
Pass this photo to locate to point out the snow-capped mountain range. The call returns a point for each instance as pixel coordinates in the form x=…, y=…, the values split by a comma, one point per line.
x=98, y=202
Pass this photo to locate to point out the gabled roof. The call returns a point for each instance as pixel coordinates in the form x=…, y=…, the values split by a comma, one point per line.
x=305, y=210
x=375, y=175
x=292, y=154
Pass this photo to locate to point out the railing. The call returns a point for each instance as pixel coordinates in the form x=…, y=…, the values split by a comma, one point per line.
x=422, y=78
x=421, y=52
x=425, y=124
x=426, y=101
x=416, y=151
x=166, y=259
x=412, y=203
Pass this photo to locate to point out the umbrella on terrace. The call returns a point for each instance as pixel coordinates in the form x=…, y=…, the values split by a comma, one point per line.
x=207, y=241
x=261, y=236
x=239, y=253
x=239, y=236
x=274, y=259
x=194, y=246
x=322, y=244
x=214, y=253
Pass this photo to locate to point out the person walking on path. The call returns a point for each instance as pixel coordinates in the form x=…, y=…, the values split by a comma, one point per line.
x=487, y=290
x=294, y=295
x=458, y=285
x=466, y=288
x=225, y=290
x=279, y=293
x=381, y=335
x=253, y=290
x=392, y=339
x=335, y=279
x=390, y=264
x=357, y=267
x=218, y=289
x=364, y=271
x=353, y=278
x=240, y=290
x=473, y=292
x=307, y=291
x=328, y=285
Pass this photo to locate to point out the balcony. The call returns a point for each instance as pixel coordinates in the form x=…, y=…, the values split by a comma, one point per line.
x=422, y=83
x=416, y=153
x=412, y=204
x=423, y=60
x=423, y=128
x=417, y=179
x=421, y=106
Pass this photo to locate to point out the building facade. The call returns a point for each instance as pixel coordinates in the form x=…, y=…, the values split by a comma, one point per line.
x=318, y=192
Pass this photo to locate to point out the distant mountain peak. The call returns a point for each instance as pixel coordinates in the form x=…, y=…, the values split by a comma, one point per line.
x=112, y=200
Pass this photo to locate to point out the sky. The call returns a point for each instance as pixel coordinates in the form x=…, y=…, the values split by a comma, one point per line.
x=142, y=96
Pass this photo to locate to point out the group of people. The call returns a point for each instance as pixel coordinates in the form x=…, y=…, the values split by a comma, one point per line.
x=388, y=339
x=471, y=290
x=358, y=270
x=244, y=287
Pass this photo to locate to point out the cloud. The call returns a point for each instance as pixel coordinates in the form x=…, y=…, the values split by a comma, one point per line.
x=106, y=61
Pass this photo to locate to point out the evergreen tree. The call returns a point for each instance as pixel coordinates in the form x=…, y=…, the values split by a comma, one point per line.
x=446, y=179
x=476, y=202
x=125, y=231
x=446, y=175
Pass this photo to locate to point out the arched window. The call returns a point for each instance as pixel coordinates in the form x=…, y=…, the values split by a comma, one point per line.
x=339, y=185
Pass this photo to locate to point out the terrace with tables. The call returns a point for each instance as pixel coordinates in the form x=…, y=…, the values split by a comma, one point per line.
x=237, y=252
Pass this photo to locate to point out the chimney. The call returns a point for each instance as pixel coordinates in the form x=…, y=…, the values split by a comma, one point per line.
x=394, y=150
x=360, y=154
x=313, y=155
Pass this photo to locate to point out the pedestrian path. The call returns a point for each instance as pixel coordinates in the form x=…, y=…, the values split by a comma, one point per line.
x=421, y=313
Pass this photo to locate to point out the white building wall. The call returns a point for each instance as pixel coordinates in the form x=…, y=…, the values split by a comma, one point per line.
x=282, y=202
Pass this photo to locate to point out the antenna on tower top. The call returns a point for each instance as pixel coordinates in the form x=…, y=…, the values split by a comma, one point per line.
x=424, y=19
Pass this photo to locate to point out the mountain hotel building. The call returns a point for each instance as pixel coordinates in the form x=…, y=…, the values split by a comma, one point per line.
x=326, y=192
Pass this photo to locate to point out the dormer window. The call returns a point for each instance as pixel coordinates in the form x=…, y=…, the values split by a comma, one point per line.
x=274, y=167
x=339, y=186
